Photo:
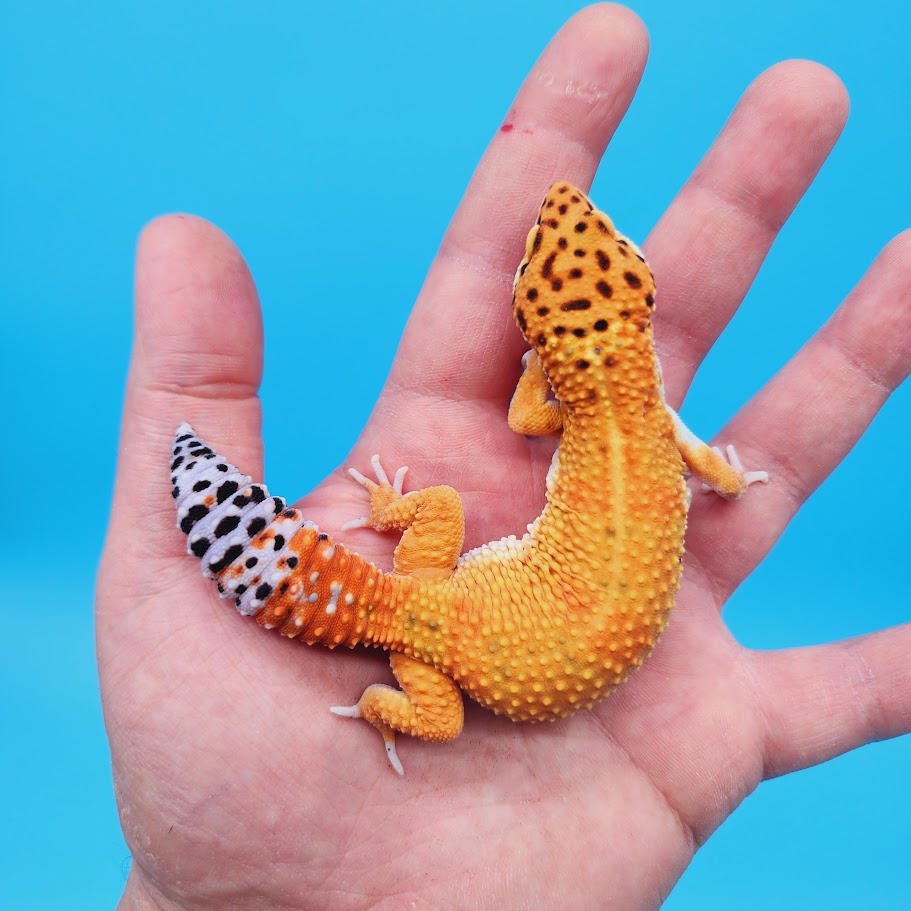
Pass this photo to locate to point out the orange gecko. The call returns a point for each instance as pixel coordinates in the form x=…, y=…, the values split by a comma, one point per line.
x=535, y=627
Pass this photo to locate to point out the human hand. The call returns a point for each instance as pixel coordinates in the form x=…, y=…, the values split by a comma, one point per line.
x=237, y=788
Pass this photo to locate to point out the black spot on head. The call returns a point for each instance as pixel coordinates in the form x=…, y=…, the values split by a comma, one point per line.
x=575, y=273
x=557, y=284
x=579, y=252
x=278, y=504
x=221, y=466
x=542, y=339
x=579, y=333
x=227, y=489
x=251, y=562
x=559, y=330
x=279, y=542
x=603, y=227
x=186, y=436
x=543, y=311
x=548, y=268
x=553, y=223
x=190, y=465
x=601, y=325
x=263, y=591
x=550, y=204
x=537, y=242
x=229, y=556
x=520, y=319
x=522, y=268
x=226, y=526
x=532, y=294
x=202, y=485
x=624, y=314
x=582, y=364
x=575, y=198
x=650, y=300
x=581, y=304
x=292, y=562
x=565, y=189
x=256, y=526
x=198, y=548
x=239, y=591
x=632, y=279
x=176, y=463
x=322, y=538
x=563, y=208
x=604, y=289
x=562, y=243
x=603, y=260
x=175, y=492
x=193, y=516
x=581, y=227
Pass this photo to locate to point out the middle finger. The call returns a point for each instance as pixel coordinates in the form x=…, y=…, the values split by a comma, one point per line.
x=707, y=248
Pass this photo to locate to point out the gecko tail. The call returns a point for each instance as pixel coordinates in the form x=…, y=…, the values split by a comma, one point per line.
x=236, y=528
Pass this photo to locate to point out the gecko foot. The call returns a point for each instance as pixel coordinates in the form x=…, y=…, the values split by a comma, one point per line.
x=381, y=479
x=354, y=711
x=730, y=455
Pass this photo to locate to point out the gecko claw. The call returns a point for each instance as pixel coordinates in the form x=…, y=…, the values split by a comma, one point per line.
x=347, y=711
x=394, y=760
x=381, y=475
x=362, y=522
x=361, y=479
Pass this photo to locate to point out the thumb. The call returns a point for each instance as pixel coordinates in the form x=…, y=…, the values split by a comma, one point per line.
x=197, y=357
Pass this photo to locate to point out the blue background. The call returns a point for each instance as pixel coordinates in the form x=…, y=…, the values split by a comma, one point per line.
x=113, y=113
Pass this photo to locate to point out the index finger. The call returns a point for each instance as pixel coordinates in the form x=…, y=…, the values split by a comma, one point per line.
x=557, y=128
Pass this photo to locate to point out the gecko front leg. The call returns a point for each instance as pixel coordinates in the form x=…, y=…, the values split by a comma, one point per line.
x=532, y=411
x=726, y=476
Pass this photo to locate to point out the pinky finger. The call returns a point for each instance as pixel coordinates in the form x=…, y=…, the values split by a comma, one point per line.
x=821, y=701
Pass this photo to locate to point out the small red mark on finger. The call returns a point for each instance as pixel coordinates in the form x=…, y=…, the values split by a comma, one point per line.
x=506, y=128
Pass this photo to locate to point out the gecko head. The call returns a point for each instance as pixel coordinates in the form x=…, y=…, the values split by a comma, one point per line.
x=583, y=298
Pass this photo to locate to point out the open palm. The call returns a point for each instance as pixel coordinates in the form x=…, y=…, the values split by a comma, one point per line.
x=238, y=789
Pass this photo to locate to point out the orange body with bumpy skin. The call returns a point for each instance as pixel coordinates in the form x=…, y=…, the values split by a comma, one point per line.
x=533, y=628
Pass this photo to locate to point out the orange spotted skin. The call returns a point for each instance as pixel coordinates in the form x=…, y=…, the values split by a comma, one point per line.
x=538, y=627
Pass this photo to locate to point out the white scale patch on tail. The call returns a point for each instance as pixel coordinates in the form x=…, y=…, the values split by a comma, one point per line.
x=222, y=513
x=334, y=591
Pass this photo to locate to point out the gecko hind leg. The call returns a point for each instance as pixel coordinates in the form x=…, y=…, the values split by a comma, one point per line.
x=430, y=519
x=429, y=705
